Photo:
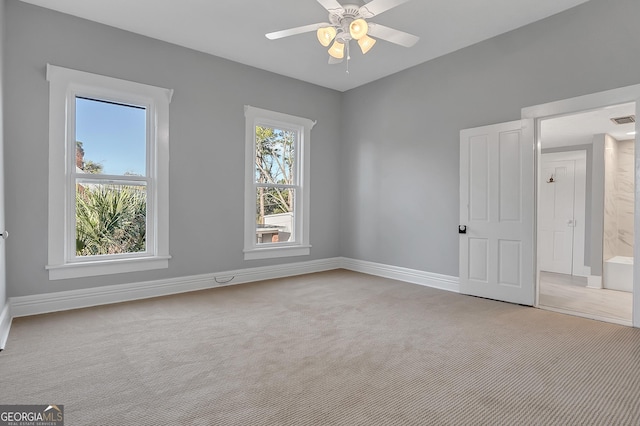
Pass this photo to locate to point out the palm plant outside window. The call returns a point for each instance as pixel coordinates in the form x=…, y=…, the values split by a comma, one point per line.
x=110, y=178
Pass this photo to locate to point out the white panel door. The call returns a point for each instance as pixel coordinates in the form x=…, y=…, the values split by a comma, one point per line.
x=556, y=223
x=496, y=207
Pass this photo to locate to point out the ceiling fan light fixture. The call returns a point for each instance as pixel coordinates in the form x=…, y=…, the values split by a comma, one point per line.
x=325, y=35
x=337, y=50
x=366, y=43
x=349, y=22
x=358, y=28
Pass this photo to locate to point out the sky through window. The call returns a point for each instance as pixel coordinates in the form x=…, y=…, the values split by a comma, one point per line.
x=113, y=135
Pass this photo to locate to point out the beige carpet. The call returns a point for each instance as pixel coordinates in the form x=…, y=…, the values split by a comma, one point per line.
x=334, y=348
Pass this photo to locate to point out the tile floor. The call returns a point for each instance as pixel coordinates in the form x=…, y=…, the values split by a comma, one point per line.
x=569, y=294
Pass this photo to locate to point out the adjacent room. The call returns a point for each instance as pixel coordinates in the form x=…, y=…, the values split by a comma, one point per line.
x=303, y=212
x=586, y=213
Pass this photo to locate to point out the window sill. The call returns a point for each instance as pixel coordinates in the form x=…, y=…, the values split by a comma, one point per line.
x=106, y=267
x=275, y=252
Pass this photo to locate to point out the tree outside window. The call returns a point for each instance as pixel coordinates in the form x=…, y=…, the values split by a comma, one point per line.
x=275, y=181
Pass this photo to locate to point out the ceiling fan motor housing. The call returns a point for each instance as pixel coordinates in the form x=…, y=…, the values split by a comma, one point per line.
x=341, y=21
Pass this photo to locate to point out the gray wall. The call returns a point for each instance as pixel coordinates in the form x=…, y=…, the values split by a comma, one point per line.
x=206, y=144
x=385, y=156
x=400, y=135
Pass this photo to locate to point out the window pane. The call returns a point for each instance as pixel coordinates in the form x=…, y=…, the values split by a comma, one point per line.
x=110, y=219
x=274, y=215
x=275, y=156
x=111, y=138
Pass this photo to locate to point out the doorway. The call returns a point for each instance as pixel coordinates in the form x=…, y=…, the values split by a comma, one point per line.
x=488, y=270
x=586, y=213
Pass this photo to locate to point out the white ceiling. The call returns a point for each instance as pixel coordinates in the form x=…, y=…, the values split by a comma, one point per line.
x=235, y=29
x=578, y=129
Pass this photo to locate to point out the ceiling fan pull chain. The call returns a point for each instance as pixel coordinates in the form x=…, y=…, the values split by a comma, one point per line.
x=348, y=56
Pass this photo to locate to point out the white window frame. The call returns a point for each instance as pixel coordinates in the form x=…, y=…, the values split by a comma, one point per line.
x=64, y=85
x=302, y=126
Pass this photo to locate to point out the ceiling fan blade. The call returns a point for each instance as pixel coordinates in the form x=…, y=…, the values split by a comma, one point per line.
x=333, y=61
x=297, y=30
x=376, y=7
x=394, y=36
x=332, y=6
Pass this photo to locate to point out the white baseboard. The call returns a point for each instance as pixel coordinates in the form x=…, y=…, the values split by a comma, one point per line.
x=5, y=324
x=594, y=281
x=84, y=298
x=414, y=276
x=582, y=271
x=74, y=299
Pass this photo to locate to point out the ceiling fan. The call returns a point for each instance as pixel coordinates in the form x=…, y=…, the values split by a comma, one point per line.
x=349, y=22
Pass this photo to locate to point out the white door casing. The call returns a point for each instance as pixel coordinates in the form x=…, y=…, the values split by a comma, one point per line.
x=497, y=208
x=5, y=319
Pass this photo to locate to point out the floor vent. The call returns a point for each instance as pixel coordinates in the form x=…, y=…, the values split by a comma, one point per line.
x=624, y=120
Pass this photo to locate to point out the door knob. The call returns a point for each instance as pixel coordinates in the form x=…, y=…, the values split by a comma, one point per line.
x=462, y=229
x=4, y=235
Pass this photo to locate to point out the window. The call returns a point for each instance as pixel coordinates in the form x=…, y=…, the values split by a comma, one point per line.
x=276, y=184
x=108, y=175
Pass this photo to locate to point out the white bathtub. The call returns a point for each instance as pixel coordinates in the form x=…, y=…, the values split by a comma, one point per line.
x=618, y=273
